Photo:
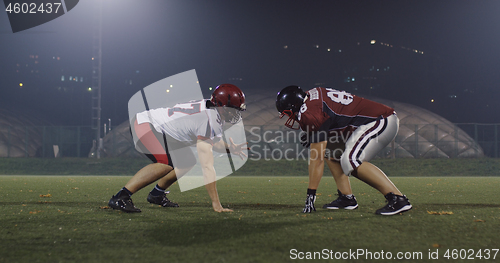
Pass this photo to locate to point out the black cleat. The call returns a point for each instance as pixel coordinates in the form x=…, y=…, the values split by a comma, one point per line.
x=161, y=200
x=342, y=202
x=123, y=203
x=395, y=204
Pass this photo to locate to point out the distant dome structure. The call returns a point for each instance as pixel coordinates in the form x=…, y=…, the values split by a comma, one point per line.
x=422, y=134
x=20, y=134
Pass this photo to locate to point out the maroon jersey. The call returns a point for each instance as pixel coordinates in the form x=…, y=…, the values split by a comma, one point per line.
x=327, y=109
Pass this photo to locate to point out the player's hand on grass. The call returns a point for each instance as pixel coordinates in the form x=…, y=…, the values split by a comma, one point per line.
x=225, y=210
x=309, y=204
x=218, y=208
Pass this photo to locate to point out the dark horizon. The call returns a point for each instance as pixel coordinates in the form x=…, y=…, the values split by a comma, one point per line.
x=266, y=44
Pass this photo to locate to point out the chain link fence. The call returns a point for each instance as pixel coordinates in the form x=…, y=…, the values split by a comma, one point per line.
x=485, y=135
x=46, y=141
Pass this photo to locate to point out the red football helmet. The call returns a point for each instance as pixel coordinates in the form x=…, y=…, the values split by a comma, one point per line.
x=230, y=102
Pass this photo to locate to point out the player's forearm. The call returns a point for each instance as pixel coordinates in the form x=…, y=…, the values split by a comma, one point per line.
x=212, y=192
x=316, y=167
x=316, y=164
x=210, y=185
x=220, y=147
x=214, y=196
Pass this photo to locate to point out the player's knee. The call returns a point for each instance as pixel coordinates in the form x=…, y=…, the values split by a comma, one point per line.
x=347, y=166
x=166, y=168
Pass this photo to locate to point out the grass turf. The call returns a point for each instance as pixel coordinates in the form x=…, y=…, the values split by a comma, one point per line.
x=64, y=219
x=123, y=166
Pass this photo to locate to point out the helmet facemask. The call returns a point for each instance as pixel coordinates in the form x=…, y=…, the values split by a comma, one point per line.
x=230, y=114
x=292, y=119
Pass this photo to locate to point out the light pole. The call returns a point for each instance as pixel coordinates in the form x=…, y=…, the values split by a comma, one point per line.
x=96, y=80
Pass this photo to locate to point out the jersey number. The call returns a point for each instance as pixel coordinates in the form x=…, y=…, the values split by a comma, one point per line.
x=194, y=108
x=341, y=97
x=303, y=109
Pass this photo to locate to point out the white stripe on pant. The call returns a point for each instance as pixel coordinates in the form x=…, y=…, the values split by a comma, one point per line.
x=367, y=140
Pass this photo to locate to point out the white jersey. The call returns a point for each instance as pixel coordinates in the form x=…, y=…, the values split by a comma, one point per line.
x=185, y=122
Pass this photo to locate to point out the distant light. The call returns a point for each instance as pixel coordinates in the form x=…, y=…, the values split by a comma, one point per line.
x=210, y=88
x=285, y=47
x=328, y=50
x=373, y=42
x=316, y=46
x=20, y=84
x=432, y=100
x=171, y=86
x=89, y=89
x=92, y=58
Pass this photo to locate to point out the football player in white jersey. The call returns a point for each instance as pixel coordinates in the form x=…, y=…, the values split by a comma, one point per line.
x=203, y=129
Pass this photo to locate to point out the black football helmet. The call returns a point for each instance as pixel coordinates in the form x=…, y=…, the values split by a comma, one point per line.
x=288, y=102
x=230, y=102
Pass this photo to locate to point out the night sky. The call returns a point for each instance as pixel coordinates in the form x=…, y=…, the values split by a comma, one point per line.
x=261, y=46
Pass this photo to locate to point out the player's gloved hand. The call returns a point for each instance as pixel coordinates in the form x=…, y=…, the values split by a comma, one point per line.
x=304, y=140
x=309, y=204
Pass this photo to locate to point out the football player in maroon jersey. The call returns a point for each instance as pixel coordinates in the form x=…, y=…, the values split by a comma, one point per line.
x=362, y=128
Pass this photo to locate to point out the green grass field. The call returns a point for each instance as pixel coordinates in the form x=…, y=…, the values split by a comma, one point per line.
x=64, y=219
